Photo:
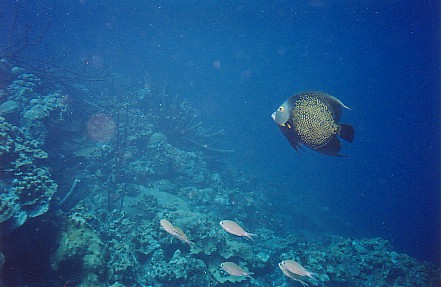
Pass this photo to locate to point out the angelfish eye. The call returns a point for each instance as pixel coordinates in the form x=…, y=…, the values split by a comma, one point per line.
x=280, y=109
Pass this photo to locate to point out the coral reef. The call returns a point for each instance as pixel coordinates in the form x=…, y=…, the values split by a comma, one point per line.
x=363, y=262
x=28, y=103
x=145, y=255
x=26, y=186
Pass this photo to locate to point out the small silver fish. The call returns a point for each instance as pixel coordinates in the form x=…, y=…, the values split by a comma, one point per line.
x=234, y=228
x=234, y=269
x=296, y=268
x=174, y=231
x=293, y=276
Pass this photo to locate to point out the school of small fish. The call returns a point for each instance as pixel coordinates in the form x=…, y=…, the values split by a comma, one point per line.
x=289, y=268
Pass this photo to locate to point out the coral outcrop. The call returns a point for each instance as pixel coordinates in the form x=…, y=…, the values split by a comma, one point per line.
x=81, y=253
x=26, y=185
x=28, y=111
x=361, y=262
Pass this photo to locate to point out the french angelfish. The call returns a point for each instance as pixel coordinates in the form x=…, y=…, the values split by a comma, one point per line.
x=312, y=119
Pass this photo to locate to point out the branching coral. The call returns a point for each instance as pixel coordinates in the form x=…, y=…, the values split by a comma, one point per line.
x=179, y=121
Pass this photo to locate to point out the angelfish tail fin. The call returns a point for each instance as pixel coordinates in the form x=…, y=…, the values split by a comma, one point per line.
x=347, y=132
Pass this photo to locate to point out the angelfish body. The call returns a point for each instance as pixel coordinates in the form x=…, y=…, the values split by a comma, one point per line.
x=312, y=119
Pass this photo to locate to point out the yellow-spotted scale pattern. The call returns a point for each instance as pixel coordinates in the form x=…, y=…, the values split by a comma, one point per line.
x=313, y=121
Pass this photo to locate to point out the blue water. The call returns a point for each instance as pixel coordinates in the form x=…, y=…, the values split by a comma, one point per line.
x=237, y=61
